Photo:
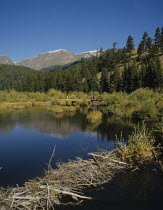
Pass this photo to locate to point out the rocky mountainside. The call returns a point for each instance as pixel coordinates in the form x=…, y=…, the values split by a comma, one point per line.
x=54, y=58
x=5, y=60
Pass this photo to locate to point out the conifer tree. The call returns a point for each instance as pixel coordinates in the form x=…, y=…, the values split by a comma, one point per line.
x=149, y=44
x=157, y=38
x=104, y=83
x=161, y=40
x=140, y=50
x=130, y=45
x=144, y=40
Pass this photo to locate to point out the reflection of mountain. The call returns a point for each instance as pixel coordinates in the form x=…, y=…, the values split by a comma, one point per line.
x=62, y=126
x=54, y=127
x=40, y=120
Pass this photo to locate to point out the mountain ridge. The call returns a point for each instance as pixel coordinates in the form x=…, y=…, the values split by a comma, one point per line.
x=58, y=57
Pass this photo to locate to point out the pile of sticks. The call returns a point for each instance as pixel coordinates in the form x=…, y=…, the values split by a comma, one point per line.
x=63, y=185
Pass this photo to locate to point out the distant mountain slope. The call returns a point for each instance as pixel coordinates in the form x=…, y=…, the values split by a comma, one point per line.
x=54, y=58
x=11, y=75
x=5, y=60
x=64, y=67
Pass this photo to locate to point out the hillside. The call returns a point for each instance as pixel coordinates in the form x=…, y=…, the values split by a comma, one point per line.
x=11, y=76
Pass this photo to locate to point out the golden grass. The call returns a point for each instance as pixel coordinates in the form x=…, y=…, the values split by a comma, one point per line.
x=16, y=105
x=94, y=116
x=40, y=103
x=140, y=148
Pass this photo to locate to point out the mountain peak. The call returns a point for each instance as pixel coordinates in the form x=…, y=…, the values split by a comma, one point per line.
x=5, y=60
x=58, y=57
x=55, y=51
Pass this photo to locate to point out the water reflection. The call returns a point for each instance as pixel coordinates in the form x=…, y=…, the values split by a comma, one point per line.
x=27, y=139
x=64, y=124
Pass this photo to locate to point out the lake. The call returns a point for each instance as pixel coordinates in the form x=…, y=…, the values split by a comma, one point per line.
x=27, y=139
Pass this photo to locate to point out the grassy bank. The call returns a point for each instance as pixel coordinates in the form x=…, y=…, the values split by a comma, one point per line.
x=141, y=104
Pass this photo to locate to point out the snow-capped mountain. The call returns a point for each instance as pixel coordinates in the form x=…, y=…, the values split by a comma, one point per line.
x=52, y=58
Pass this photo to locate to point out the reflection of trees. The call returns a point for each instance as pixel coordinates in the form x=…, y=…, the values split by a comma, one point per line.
x=7, y=121
x=95, y=125
x=64, y=124
x=112, y=127
x=43, y=121
x=141, y=183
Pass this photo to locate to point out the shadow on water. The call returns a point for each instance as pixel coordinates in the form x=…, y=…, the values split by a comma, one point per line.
x=133, y=190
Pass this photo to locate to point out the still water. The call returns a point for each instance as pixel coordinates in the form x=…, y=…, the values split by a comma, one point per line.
x=27, y=139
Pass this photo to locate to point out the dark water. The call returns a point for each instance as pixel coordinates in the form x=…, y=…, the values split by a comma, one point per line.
x=139, y=190
x=27, y=139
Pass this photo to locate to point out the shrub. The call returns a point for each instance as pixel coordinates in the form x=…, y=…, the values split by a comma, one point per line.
x=140, y=148
x=94, y=116
x=148, y=109
x=69, y=108
x=57, y=109
x=68, y=103
x=62, y=103
x=56, y=94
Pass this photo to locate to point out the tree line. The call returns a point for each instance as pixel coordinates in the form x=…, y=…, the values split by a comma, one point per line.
x=125, y=69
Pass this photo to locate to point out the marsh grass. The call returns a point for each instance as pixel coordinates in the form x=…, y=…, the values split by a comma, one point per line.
x=141, y=104
x=41, y=103
x=16, y=105
x=60, y=109
x=94, y=116
x=140, y=148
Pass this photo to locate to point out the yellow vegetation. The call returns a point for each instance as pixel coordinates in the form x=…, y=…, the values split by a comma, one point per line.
x=140, y=148
x=94, y=116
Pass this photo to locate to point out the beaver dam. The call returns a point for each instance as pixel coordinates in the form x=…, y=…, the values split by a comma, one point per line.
x=27, y=140
x=69, y=180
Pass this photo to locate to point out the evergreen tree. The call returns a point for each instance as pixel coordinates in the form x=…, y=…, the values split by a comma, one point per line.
x=140, y=50
x=93, y=84
x=144, y=40
x=157, y=38
x=104, y=83
x=114, y=46
x=161, y=40
x=130, y=45
x=115, y=81
x=149, y=44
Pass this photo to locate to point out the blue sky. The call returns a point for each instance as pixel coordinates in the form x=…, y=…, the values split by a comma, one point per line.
x=32, y=27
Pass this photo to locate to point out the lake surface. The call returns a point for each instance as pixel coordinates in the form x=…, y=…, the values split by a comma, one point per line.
x=27, y=139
